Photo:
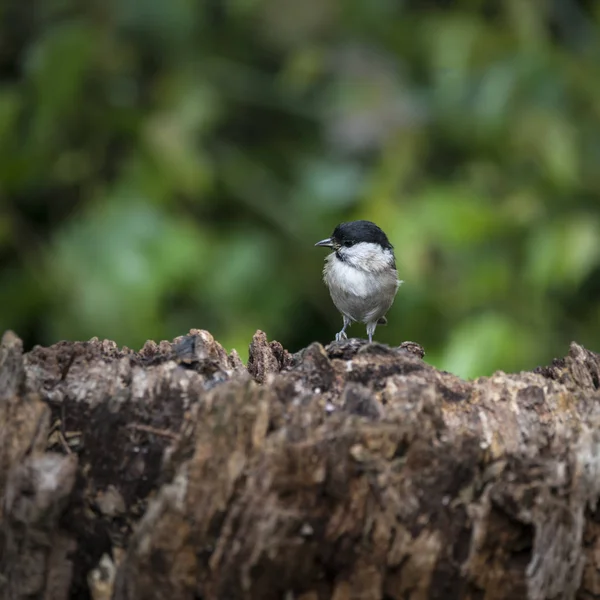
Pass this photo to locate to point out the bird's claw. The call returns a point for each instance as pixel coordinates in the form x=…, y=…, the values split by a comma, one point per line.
x=341, y=335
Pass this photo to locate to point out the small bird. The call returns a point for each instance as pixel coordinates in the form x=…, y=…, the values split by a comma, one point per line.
x=360, y=274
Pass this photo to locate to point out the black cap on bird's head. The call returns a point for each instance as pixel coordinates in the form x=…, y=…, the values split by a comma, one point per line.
x=354, y=232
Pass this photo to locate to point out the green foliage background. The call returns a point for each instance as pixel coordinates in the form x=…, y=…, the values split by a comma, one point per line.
x=168, y=165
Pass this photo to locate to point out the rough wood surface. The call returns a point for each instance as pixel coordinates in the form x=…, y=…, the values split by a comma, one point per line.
x=348, y=472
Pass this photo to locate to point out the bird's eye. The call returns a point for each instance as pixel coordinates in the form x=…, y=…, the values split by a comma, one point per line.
x=348, y=243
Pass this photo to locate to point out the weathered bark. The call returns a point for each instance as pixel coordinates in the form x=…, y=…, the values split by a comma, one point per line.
x=346, y=472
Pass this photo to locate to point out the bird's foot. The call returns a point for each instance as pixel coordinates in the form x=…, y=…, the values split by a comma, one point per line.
x=341, y=335
x=371, y=330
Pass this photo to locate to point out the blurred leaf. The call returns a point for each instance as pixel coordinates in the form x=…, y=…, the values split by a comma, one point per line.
x=170, y=165
x=552, y=141
x=329, y=186
x=563, y=252
x=451, y=216
x=113, y=266
x=9, y=112
x=56, y=66
x=486, y=343
x=169, y=24
x=245, y=264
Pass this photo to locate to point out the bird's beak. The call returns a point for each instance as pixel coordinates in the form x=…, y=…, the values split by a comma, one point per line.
x=326, y=242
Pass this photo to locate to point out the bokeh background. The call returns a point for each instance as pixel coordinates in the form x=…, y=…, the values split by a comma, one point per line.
x=168, y=165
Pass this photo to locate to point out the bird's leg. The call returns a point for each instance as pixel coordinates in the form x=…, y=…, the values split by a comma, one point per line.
x=342, y=334
x=371, y=330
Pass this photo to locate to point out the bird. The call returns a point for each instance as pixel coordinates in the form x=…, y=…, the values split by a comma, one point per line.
x=361, y=274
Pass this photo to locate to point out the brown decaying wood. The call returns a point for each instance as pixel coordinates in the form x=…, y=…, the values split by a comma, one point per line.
x=351, y=471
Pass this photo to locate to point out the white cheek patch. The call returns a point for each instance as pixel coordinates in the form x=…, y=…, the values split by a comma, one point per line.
x=368, y=256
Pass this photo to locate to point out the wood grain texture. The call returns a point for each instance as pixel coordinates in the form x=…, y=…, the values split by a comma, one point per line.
x=344, y=472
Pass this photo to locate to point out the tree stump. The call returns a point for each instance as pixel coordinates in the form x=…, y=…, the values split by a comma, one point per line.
x=346, y=472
